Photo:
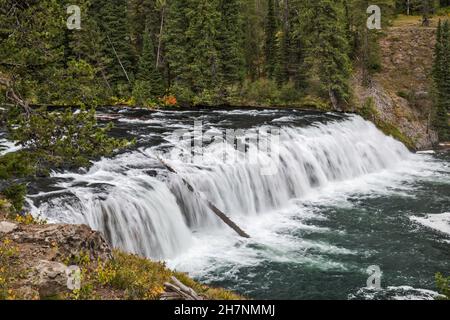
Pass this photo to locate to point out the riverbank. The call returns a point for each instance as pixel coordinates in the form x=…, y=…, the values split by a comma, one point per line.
x=400, y=94
x=40, y=261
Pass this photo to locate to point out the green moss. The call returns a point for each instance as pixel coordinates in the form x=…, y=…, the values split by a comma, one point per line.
x=394, y=132
x=369, y=112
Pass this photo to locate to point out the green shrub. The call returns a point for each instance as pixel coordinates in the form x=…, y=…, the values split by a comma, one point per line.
x=262, y=91
x=316, y=103
x=443, y=284
x=409, y=95
x=368, y=110
x=288, y=93
x=16, y=195
x=183, y=94
x=142, y=93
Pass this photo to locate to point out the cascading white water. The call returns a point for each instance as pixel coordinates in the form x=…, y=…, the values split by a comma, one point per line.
x=145, y=210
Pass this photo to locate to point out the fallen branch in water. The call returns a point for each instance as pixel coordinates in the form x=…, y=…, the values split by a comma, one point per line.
x=211, y=206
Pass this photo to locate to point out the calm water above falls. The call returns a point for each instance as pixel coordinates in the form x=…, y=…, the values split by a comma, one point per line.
x=344, y=197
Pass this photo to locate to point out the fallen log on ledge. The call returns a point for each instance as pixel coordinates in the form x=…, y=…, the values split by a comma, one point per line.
x=176, y=290
x=210, y=205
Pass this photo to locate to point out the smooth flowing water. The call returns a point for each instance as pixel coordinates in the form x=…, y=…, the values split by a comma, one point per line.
x=343, y=197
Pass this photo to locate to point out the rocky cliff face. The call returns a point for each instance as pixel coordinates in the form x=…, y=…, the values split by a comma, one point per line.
x=401, y=92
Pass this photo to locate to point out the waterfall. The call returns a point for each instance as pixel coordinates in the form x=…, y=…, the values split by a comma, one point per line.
x=142, y=208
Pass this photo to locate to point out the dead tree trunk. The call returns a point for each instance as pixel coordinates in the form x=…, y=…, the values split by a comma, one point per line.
x=211, y=206
x=334, y=100
x=14, y=97
x=158, y=55
x=118, y=59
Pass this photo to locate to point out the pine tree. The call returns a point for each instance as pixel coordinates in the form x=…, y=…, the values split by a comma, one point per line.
x=441, y=75
x=32, y=47
x=297, y=68
x=230, y=42
x=203, y=50
x=438, y=54
x=192, y=45
x=364, y=44
x=177, y=43
x=328, y=49
x=142, y=15
x=271, y=41
x=254, y=36
x=113, y=21
x=283, y=46
x=147, y=73
x=90, y=44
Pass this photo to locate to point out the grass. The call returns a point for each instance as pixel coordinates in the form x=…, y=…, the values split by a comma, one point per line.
x=403, y=20
x=130, y=277
x=9, y=270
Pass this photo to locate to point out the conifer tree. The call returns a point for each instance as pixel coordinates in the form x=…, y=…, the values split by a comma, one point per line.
x=113, y=20
x=204, y=58
x=254, y=36
x=31, y=47
x=328, y=49
x=441, y=75
x=90, y=44
x=271, y=41
x=148, y=76
x=283, y=46
x=230, y=41
x=192, y=45
x=177, y=42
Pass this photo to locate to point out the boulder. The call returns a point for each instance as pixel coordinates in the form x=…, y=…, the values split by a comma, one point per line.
x=7, y=227
x=70, y=240
x=51, y=278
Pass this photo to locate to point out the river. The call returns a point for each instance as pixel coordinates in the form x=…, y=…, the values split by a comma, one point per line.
x=331, y=197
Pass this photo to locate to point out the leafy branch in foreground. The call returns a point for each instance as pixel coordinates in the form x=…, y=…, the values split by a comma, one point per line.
x=52, y=140
x=64, y=139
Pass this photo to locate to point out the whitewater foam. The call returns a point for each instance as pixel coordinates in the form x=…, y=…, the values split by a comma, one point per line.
x=144, y=209
x=438, y=222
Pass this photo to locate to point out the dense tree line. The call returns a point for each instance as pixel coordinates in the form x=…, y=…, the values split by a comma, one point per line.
x=201, y=51
x=441, y=76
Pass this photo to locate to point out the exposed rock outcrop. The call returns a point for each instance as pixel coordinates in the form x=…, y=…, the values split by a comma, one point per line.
x=70, y=241
x=401, y=90
x=50, y=278
x=39, y=250
x=7, y=227
x=59, y=261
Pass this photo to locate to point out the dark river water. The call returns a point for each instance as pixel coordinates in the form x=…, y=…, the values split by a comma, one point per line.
x=331, y=197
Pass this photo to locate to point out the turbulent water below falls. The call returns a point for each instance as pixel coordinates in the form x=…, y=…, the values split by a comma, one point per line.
x=343, y=197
